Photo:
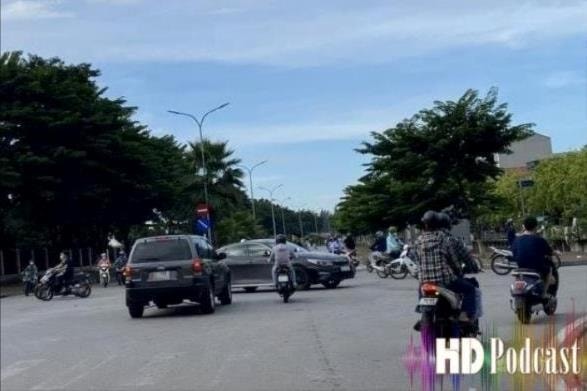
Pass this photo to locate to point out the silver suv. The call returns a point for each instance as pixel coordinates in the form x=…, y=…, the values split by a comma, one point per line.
x=170, y=269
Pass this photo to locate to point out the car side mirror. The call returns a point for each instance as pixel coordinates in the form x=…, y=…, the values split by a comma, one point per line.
x=220, y=256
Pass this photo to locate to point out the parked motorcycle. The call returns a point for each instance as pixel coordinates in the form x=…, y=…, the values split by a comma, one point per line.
x=104, y=272
x=51, y=285
x=399, y=268
x=284, y=284
x=502, y=261
x=528, y=297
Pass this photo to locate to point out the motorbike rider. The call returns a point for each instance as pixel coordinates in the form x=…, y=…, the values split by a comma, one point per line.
x=281, y=254
x=380, y=244
x=29, y=276
x=64, y=270
x=462, y=255
x=393, y=246
x=439, y=265
x=349, y=242
x=532, y=251
x=103, y=261
x=119, y=264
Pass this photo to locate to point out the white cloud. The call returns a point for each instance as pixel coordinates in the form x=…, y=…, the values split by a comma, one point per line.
x=30, y=10
x=297, y=33
x=561, y=79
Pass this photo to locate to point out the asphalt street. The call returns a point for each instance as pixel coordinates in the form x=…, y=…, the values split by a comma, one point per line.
x=350, y=338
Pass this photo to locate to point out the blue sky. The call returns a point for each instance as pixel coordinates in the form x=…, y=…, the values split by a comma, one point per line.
x=308, y=81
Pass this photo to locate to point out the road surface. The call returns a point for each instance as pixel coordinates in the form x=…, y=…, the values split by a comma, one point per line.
x=351, y=338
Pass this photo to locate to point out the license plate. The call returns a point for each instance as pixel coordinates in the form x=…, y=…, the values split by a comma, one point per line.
x=345, y=268
x=282, y=278
x=161, y=276
x=428, y=301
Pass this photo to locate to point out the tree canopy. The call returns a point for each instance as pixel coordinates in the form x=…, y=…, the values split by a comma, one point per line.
x=77, y=166
x=440, y=157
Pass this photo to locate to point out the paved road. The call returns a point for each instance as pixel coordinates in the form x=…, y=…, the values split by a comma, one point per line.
x=351, y=338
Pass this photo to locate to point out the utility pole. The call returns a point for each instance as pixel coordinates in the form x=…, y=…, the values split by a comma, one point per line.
x=200, y=123
x=271, y=199
x=250, y=171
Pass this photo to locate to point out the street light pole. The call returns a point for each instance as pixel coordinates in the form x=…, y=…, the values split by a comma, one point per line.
x=282, y=202
x=250, y=171
x=271, y=191
x=200, y=123
x=315, y=222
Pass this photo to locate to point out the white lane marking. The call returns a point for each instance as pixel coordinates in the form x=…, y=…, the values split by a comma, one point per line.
x=61, y=376
x=19, y=367
x=87, y=372
x=148, y=373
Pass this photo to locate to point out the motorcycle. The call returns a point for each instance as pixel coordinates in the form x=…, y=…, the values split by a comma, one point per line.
x=440, y=309
x=402, y=266
x=378, y=262
x=51, y=285
x=502, y=261
x=120, y=276
x=104, y=272
x=284, y=284
x=528, y=297
x=351, y=255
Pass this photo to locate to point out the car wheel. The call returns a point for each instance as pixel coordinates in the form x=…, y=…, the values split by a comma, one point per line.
x=208, y=302
x=226, y=295
x=302, y=279
x=136, y=310
x=250, y=289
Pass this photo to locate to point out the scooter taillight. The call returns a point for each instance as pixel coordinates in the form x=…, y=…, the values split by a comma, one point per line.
x=519, y=285
x=429, y=289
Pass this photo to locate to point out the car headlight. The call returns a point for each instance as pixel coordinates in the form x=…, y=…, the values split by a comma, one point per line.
x=318, y=262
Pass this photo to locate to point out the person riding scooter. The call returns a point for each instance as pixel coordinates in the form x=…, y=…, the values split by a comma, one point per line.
x=531, y=251
x=30, y=275
x=439, y=265
x=64, y=270
x=119, y=265
x=281, y=254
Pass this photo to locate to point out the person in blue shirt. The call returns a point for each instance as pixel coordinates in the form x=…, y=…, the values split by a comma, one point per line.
x=393, y=246
x=532, y=251
x=380, y=243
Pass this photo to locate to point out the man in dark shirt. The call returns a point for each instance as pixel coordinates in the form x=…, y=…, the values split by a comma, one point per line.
x=532, y=251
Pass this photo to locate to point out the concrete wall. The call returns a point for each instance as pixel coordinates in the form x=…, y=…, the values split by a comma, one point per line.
x=536, y=147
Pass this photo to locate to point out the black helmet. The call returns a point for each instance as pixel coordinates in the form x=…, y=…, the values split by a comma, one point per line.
x=280, y=239
x=431, y=220
x=444, y=220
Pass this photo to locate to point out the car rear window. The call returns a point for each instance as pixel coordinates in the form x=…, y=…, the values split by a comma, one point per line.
x=161, y=251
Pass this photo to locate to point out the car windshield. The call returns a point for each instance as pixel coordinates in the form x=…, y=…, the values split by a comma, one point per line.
x=161, y=251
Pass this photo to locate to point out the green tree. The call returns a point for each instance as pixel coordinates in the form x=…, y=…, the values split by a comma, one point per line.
x=560, y=187
x=75, y=165
x=440, y=157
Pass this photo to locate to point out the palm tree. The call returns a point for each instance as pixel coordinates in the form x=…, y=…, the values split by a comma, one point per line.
x=224, y=179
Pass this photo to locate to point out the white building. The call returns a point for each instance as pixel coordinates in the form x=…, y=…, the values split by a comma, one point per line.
x=533, y=148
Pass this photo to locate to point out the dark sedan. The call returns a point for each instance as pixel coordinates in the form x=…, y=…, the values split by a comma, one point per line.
x=250, y=266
